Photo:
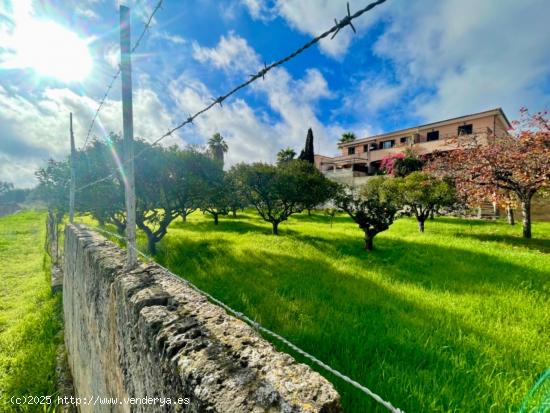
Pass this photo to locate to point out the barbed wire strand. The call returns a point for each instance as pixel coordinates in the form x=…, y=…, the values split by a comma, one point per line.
x=259, y=327
x=346, y=21
x=117, y=74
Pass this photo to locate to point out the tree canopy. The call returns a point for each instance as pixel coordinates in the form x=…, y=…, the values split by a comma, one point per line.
x=516, y=164
x=373, y=207
x=347, y=137
x=277, y=192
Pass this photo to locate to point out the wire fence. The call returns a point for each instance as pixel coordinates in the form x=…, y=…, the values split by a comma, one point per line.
x=117, y=74
x=261, y=328
x=334, y=30
x=260, y=74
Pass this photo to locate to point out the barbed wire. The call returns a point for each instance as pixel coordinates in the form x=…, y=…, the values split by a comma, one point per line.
x=334, y=30
x=117, y=74
x=257, y=326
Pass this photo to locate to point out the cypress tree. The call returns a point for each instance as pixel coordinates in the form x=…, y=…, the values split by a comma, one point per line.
x=307, y=153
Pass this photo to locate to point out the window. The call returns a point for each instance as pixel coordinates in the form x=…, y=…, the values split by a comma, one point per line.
x=365, y=148
x=432, y=136
x=465, y=130
x=373, y=146
x=388, y=144
x=351, y=151
x=404, y=139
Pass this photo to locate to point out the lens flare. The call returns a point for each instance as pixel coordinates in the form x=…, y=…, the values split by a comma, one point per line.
x=49, y=49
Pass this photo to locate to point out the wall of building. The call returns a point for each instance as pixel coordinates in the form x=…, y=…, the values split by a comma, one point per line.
x=145, y=333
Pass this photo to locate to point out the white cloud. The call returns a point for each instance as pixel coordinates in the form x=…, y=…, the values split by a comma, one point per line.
x=173, y=38
x=232, y=53
x=313, y=17
x=259, y=9
x=112, y=55
x=372, y=94
x=87, y=12
x=471, y=55
x=256, y=135
x=35, y=128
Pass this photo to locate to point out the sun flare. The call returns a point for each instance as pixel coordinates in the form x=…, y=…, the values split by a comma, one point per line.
x=50, y=50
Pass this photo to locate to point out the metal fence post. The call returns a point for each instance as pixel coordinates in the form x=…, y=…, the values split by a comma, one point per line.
x=128, y=127
x=73, y=172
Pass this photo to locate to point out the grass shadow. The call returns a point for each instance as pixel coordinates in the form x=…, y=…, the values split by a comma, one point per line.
x=395, y=345
x=537, y=244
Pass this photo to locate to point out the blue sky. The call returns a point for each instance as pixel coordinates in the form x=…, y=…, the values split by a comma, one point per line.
x=409, y=63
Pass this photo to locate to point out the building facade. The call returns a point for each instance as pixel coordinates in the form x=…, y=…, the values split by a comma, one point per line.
x=363, y=157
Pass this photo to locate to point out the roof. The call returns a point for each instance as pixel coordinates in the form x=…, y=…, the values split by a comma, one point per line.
x=496, y=111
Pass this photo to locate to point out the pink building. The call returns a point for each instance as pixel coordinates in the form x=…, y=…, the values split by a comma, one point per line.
x=362, y=157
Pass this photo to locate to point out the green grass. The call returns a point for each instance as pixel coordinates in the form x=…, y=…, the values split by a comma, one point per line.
x=29, y=313
x=453, y=320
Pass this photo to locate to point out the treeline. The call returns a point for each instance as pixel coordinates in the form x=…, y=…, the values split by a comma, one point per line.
x=172, y=182
x=9, y=194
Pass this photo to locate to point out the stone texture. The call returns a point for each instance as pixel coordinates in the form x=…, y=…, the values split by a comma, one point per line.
x=57, y=279
x=145, y=333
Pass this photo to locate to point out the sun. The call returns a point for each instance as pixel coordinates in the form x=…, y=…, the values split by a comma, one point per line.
x=50, y=50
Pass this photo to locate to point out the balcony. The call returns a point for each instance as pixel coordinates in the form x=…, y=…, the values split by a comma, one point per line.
x=343, y=173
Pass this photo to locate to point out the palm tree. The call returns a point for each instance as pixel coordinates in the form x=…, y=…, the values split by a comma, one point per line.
x=217, y=146
x=285, y=155
x=347, y=137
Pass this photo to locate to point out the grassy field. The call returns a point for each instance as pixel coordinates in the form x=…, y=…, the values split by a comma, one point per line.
x=453, y=320
x=29, y=314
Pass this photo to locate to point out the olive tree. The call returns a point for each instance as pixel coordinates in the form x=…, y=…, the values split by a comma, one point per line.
x=277, y=192
x=424, y=194
x=373, y=207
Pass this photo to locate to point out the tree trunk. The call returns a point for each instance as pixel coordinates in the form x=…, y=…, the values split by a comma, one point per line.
x=526, y=211
x=275, y=228
x=431, y=217
x=120, y=227
x=234, y=211
x=510, y=215
x=215, y=218
x=184, y=216
x=420, y=224
x=151, y=244
x=309, y=212
x=369, y=242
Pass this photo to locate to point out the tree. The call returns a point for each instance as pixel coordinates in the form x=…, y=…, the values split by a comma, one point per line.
x=277, y=192
x=214, y=195
x=517, y=164
x=308, y=153
x=10, y=195
x=105, y=199
x=53, y=186
x=217, y=147
x=388, y=162
x=347, y=137
x=374, y=208
x=285, y=155
x=402, y=164
x=236, y=199
x=317, y=188
x=409, y=163
x=424, y=194
x=5, y=187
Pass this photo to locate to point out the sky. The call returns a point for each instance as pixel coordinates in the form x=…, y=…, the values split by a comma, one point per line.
x=410, y=62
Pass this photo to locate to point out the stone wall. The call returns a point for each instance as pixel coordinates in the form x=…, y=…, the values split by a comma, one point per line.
x=145, y=333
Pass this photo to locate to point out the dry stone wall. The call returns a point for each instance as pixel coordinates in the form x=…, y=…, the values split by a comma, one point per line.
x=144, y=334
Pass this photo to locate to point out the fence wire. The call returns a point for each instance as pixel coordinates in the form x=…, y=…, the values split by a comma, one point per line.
x=260, y=74
x=261, y=328
x=339, y=24
x=117, y=74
